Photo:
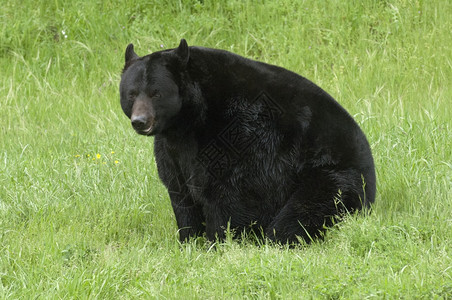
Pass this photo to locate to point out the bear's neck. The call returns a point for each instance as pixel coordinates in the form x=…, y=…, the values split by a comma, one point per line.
x=223, y=76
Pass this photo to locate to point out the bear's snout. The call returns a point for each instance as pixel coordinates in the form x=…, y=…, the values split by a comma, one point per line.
x=139, y=122
x=142, y=124
x=142, y=117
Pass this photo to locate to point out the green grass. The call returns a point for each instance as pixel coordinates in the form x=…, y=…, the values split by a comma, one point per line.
x=76, y=225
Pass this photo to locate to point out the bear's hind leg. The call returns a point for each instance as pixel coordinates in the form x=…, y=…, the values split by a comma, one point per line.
x=322, y=196
x=298, y=221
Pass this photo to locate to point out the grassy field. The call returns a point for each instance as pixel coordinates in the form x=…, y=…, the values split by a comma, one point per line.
x=84, y=215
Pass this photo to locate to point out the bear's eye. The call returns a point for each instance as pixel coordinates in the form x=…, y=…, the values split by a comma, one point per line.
x=133, y=95
x=155, y=94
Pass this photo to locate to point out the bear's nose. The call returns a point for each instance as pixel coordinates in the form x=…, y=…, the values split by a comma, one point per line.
x=139, y=122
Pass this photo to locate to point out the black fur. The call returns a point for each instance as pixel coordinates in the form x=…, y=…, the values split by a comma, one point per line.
x=247, y=143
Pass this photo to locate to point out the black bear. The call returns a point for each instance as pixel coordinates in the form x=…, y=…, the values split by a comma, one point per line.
x=245, y=144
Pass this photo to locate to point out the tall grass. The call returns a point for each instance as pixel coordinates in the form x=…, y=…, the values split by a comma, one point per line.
x=84, y=215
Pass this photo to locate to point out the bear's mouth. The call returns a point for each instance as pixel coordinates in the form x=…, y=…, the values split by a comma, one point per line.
x=148, y=131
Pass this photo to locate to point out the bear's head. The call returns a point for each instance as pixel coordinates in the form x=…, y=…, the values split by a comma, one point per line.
x=149, y=89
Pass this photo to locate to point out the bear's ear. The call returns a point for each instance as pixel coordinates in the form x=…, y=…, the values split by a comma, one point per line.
x=130, y=54
x=183, y=52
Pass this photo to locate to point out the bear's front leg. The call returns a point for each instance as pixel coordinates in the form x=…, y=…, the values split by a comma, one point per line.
x=189, y=216
x=216, y=224
x=221, y=215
